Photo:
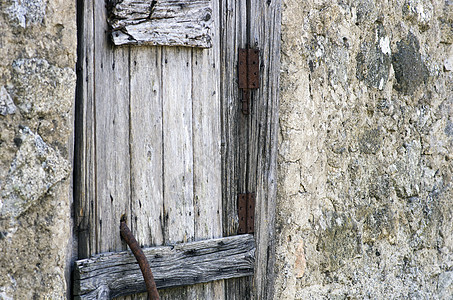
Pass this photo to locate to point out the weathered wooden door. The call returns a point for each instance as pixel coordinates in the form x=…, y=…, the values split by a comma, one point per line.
x=160, y=137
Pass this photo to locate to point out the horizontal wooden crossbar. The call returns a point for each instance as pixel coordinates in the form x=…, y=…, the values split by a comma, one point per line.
x=114, y=274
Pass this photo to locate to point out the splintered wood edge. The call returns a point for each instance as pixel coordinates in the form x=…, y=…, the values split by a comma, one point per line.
x=164, y=23
x=116, y=274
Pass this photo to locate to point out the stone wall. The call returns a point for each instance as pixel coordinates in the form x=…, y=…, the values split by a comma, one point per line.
x=37, y=87
x=365, y=194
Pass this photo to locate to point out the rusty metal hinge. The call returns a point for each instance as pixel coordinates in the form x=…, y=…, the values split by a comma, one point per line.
x=249, y=74
x=246, y=213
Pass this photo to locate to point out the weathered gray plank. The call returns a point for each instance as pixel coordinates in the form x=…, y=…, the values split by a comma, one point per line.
x=102, y=144
x=146, y=145
x=233, y=31
x=163, y=22
x=187, y=157
x=84, y=182
x=251, y=147
x=265, y=34
x=116, y=274
x=178, y=145
x=111, y=95
x=146, y=148
x=206, y=147
x=233, y=36
x=179, y=208
x=206, y=143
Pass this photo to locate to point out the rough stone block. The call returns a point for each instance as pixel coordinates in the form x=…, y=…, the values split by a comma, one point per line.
x=36, y=81
x=35, y=169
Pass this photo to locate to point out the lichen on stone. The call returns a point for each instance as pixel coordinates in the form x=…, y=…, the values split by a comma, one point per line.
x=373, y=153
x=419, y=11
x=27, y=12
x=339, y=240
x=408, y=177
x=380, y=224
x=445, y=285
x=7, y=106
x=36, y=81
x=34, y=171
x=370, y=141
x=410, y=70
x=366, y=11
x=374, y=59
x=37, y=91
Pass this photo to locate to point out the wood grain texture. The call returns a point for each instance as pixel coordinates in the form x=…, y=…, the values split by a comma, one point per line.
x=161, y=137
x=233, y=32
x=150, y=94
x=206, y=143
x=115, y=274
x=163, y=22
x=111, y=94
x=249, y=157
x=265, y=35
x=206, y=129
x=84, y=171
x=102, y=138
x=233, y=36
x=146, y=135
x=178, y=145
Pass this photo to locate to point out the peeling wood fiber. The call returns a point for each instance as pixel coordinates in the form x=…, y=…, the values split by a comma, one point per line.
x=165, y=23
x=116, y=274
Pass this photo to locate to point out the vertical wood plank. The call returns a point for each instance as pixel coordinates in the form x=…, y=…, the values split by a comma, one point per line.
x=253, y=122
x=84, y=173
x=233, y=33
x=146, y=145
x=146, y=138
x=265, y=34
x=206, y=141
x=112, y=135
x=179, y=214
x=206, y=144
x=178, y=145
x=233, y=36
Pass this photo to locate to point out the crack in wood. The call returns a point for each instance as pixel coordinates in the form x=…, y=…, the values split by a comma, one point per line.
x=163, y=22
x=117, y=274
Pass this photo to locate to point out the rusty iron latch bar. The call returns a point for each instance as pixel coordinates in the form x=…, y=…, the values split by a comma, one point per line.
x=249, y=75
x=129, y=238
x=246, y=213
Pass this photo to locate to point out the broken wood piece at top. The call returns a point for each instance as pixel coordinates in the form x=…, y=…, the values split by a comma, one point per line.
x=161, y=22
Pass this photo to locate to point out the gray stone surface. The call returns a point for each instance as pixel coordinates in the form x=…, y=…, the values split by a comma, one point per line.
x=445, y=285
x=374, y=59
x=27, y=12
x=365, y=183
x=7, y=106
x=33, y=172
x=32, y=93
